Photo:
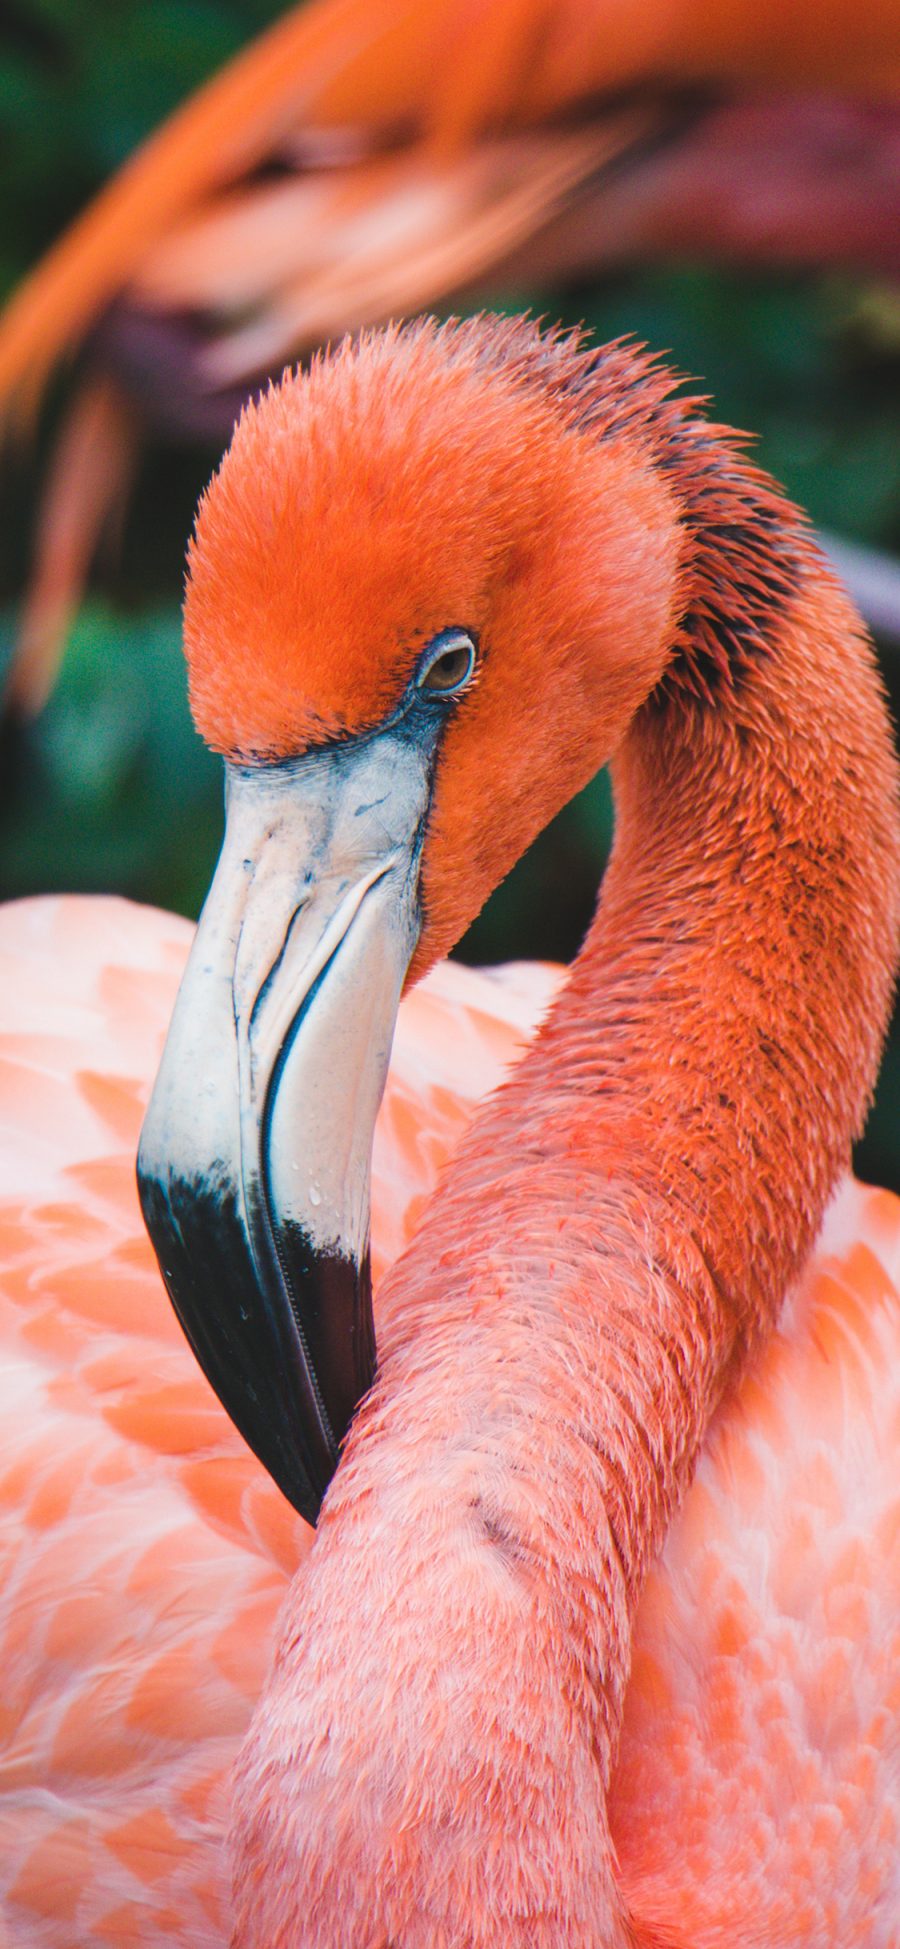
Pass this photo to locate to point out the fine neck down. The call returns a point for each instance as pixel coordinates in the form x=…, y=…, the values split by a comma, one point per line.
x=690, y=1104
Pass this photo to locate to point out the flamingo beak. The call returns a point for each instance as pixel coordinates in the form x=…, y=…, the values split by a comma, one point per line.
x=255, y=1155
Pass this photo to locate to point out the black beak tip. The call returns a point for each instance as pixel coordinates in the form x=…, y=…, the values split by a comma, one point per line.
x=288, y=1345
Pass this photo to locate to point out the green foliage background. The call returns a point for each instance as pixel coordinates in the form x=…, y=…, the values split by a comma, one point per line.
x=111, y=789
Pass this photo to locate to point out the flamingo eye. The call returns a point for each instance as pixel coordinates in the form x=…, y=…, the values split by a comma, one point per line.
x=448, y=663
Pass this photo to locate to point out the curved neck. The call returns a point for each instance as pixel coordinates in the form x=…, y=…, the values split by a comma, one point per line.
x=714, y=1054
x=683, y=1117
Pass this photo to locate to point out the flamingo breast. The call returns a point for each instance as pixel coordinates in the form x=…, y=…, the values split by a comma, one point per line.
x=145, y=1552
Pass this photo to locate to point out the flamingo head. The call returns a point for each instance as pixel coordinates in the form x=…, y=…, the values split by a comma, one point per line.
x=431, y=583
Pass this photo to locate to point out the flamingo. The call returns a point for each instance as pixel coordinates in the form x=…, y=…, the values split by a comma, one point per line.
x=361, y=161
x=597, y=1642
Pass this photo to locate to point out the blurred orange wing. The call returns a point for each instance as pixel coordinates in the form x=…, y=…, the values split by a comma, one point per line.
x=367, y=158
x=337, y=82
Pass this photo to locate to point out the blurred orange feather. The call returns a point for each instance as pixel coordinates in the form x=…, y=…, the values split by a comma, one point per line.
x=422, y=152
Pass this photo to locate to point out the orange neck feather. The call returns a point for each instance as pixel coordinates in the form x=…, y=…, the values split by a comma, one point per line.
x=663, y=1156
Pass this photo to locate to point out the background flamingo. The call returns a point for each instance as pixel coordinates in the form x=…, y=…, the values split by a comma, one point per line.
x=698, y=1807
x=362, y=162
